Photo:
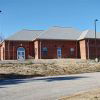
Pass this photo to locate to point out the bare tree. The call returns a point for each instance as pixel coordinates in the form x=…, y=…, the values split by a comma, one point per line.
x=1, y=37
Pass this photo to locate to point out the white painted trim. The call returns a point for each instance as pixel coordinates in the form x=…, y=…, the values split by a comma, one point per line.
x=21, y=52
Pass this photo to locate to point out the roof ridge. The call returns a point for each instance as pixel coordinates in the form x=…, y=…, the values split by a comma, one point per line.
x=52, y=34
x=42, y=34
x=83, y=34
x=31, y=34
x=32, y=30
x=63, y=27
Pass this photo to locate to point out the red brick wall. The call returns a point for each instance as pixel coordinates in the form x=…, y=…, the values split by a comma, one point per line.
x=82, y=48
x=87, y=48
x=52, y=46
x=11, y=47
x=92, y=50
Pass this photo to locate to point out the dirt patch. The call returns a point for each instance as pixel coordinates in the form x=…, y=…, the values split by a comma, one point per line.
x=58, y=67
x=91, y=95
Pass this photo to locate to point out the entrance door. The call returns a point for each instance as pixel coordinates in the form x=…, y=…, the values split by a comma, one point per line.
x=59, y=53
x=21, y=53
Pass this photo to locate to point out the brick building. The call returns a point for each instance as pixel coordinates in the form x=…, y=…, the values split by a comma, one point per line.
x=56, y=42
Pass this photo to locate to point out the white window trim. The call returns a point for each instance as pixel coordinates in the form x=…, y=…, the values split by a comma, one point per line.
x=20, y=52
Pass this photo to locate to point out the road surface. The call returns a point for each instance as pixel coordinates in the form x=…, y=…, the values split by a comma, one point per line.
x=48, y=88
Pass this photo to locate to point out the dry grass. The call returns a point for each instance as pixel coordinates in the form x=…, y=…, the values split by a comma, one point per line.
x=60, y=67
x=91, y=95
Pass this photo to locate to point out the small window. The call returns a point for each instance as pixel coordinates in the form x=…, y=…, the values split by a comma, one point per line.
x=44, y=51
x=72, y=51
x=59, y=52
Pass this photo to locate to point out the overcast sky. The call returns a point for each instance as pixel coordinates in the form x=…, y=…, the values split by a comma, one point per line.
x=42, y=14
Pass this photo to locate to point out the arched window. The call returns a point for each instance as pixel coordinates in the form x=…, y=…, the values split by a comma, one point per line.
x=20, y=53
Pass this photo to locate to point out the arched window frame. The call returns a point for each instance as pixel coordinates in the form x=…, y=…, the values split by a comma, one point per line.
x=20, y=53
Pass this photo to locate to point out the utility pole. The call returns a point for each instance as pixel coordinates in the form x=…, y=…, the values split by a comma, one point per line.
x=95, y=40
x=0, y=33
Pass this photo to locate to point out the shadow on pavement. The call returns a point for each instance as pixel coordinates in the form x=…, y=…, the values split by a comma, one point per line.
x=17, y=76
x=11, y=79
x=61, y=78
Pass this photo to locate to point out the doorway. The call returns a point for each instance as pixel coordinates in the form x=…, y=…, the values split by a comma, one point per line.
x=20, y=53
x=59, y=52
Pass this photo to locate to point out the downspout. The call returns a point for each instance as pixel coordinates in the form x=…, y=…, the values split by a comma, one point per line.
x=76, y=49
x=88, y=49
x=13, y=50
x=29, y=55
x=4, y=52
x=8, y=51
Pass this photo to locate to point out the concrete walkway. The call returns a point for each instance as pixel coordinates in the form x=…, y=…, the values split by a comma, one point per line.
x=48, y=88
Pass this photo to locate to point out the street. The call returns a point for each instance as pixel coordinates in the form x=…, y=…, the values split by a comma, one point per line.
x=48, y=88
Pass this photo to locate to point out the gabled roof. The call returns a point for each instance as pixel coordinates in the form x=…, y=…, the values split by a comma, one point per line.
x=25, y=35
x=60, y=33
x=53, y=33
x=89, y=34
